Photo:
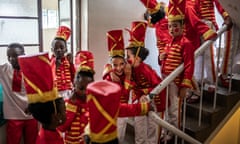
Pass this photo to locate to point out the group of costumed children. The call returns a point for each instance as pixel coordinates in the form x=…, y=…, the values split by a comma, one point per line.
x=96, y=104
x=72, y=108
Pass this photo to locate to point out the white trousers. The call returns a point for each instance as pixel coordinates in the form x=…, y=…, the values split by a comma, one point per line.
x=208, y=70
x=231, y=52
x=146, y=130
x=121, y=129
x=172, y=112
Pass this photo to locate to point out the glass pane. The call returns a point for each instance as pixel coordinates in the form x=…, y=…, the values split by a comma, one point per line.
x=64, y=17
x=18, y=8
x=18, y=30
x=28, y=50
x=64, y=9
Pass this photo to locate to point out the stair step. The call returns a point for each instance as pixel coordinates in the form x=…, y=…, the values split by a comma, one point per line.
x=198, y=132
x=209, y=114
x=236, y=82
x=224, y=98
x=210, y=117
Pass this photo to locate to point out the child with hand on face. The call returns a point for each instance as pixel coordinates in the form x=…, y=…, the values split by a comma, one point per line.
x=76, y=106
x=145, y=79
x=44, y=102
x=62, y=63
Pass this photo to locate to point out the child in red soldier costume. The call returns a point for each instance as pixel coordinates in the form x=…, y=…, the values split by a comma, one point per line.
x=206, y=12
x=76, y=106
x=62, y=65
x=156, y=16
x=145, y=79
x=19, y=124
x=44, y=102
x=179, y=50
x=104, y=107
x=119, y=69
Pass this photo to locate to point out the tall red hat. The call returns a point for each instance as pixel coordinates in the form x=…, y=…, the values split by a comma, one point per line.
x=84, y=61
x=63, y=32
x=176, y=10
x=104, y=102
x=137, y=34
x=152, y=5
x=38, y=78
x=115, y=43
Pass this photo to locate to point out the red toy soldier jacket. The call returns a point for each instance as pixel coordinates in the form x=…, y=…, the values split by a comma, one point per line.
x=124, y=84
x=205, y=8
x=146, y=79
x=64, y=74
x=179, y=51
x=77, y=118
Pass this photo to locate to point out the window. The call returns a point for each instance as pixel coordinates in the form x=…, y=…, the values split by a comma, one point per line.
x=20, y=22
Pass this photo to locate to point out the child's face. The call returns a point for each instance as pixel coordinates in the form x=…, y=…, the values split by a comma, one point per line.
x=175, y=28
x=118, y=65
x=80, y=85
x=12, y=54
x=59, y=48
x=132, y=59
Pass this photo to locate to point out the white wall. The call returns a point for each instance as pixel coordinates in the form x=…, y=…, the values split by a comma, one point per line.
x=105, y=15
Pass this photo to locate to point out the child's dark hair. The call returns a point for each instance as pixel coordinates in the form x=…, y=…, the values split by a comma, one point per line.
x=181, y=21
x=143, y=52
x=157, y=16
x=43, y=111
x=16, y=45
x=58, y=38
x=84, y=74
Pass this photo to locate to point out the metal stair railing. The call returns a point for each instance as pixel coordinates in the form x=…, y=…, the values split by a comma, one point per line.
x=169, y=79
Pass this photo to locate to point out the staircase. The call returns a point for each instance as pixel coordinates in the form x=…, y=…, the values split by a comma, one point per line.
x=211, y=117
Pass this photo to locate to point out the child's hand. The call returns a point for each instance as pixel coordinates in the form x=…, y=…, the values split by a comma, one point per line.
x=128, y=71
x=70, y=57
x=152, y=106
x=228, y=22
x=144, y=99
x=183, y=92
x=114, y=77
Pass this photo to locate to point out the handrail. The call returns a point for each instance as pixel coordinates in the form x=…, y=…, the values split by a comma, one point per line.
x=173, y=129
x=180, y=68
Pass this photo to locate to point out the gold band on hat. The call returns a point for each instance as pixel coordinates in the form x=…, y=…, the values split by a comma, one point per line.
x=113, y=53
x=40, y=96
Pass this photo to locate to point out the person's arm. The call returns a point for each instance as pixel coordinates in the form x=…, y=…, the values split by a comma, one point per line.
x=195, y=22
x=188, y=60
x=71, y=111
x=127, y=110
x=69, y=57
x=227, y=19
x=106, y=70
